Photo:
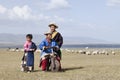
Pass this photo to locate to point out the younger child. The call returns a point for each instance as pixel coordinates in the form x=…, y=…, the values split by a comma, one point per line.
x=29, y=48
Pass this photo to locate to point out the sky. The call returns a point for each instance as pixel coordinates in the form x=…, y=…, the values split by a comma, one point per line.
x=99, y=19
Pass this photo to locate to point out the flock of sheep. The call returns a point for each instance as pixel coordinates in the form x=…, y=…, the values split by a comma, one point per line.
x=90, y=52
x=81, y=51
x=19, y=50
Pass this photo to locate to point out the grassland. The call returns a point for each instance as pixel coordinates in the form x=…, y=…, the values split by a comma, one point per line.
x=76, y=67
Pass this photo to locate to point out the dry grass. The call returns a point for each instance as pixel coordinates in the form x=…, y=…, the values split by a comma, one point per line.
x=76, y=66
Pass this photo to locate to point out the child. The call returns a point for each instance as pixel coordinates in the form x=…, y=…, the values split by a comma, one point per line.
x=45, y=46
x=29, y=48
x=57, y=37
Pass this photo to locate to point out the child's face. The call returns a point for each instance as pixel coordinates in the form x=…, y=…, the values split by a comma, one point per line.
x=28, y=39
x=52, y=28
x=49, y=36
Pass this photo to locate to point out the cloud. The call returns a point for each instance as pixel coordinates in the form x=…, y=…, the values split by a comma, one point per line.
x=113, y=2
x=2, y=9
x=17, y=12
x=25, y=13
x=20, y=12
x=57, y=4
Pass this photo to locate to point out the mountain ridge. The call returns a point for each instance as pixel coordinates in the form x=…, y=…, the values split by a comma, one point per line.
x=37, y=38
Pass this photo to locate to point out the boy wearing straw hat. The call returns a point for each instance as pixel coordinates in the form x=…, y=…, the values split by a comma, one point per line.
x=56, y=36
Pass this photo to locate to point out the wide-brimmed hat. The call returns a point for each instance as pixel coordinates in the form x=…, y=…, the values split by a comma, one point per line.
x=48, y=32
x=53, y=24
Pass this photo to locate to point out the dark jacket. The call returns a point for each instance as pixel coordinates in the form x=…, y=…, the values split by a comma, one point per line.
x=59, y=39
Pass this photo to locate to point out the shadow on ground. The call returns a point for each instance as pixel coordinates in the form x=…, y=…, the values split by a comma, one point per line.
x=64, y=69
x=72, y=68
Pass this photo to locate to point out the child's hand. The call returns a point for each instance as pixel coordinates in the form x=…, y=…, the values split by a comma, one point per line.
x=32, y=49
x=46, y=47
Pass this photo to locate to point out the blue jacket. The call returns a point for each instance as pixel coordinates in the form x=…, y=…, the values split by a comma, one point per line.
x=45, y=43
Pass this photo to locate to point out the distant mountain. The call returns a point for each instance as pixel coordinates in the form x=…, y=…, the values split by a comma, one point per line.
x=19, y=39
x=84, y=40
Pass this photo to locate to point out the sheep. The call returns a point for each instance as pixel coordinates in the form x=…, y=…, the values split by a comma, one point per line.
x=88, y=53
x=106, y=53
x=67, y=50
x=12, y=50
x=113, y=52
x=17, y=49
x=76, y=51
x=95, y=52
x=72, y=51
x=103, y=52
x=38, y=51
x=82, y=52
x=8, y=49
x=22, y=50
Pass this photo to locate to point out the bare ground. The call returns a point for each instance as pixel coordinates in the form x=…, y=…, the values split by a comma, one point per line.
x=76, y=67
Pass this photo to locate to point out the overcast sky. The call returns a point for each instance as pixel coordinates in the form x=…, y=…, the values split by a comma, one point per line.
x=98, y=19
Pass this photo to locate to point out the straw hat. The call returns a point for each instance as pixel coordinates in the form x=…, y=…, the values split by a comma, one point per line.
x=48, y=32
x=53, y=24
